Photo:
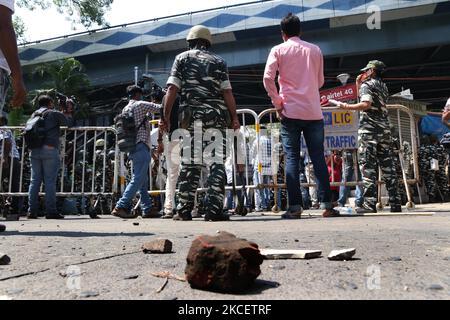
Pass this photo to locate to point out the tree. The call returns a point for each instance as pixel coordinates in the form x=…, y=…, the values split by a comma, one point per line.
x=19, y=27
x=85, y=12
x=65, y=76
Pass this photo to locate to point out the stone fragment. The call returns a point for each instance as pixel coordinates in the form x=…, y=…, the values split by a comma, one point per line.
x=271, y=254
x=342, y=255
x=158, y=246
x=89, y=294
x=223, y=263
x=436, y=287
x=4, y=259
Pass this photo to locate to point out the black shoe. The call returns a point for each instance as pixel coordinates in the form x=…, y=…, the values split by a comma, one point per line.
x=366, y=208
x=217, y=217
x=396, y=209
x=55, y=216
x=13, y=217
x=168, y=215
x=2, y=228
x=182, y=217
x=32, y=216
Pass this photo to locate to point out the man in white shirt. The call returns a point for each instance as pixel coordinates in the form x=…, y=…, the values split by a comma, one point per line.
x=9, y=60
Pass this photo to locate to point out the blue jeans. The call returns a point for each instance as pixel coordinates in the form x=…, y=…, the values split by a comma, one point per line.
x=139, y=182
x=348, y=175
x=262, y=196
x=44, y=168
x=313, y=131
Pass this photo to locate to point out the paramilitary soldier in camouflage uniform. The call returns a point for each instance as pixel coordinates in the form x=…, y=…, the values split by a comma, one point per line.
x=426, y=174
x=375, y=138
x=438, y=152
x=207, y=101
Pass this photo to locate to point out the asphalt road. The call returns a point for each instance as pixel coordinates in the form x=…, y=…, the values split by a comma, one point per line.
x=398, y=257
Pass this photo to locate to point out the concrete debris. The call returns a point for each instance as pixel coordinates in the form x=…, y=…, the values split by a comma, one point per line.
x=271, y=254
x=88, y=294
x=395, y=259
x=4, y=259
x=342, y=255
x=158, y=246
x=436, y=287
x=223, y=263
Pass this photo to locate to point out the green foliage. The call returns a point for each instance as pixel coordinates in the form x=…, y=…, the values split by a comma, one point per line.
x=85, y=12
x=66, y=77
x=19, y=27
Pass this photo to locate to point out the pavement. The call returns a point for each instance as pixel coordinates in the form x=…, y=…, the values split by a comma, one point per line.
x=397, y=257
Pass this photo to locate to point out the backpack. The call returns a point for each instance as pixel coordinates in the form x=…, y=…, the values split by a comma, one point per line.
x=127, y=131
x=34, y=132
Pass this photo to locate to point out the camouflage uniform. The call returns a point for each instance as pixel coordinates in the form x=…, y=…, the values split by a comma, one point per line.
x=426, y=174
x=397, y=165
x=408, y=157
x=201, y=76
x=440, y=154
x=375, y=143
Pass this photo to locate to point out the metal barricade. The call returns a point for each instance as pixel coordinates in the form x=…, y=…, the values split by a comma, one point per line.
x=86, y=170
x=401, y=117
x=92, y=171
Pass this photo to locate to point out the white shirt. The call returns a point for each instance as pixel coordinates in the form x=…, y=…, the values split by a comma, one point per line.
x=3, y=64
x=448, y=104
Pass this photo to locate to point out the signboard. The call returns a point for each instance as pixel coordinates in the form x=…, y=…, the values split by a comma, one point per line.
x=344, y=93
x=341, y=127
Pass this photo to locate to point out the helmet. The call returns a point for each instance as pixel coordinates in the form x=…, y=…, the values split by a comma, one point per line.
x=375, y=64
x=4, y=117
x=100, y=143
x=111, y=155
x=199, y=32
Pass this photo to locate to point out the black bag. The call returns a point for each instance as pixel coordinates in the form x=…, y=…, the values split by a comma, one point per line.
x=127, y=131
x=34, y=132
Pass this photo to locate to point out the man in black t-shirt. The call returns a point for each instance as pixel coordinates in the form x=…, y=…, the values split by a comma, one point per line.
x=45, y=161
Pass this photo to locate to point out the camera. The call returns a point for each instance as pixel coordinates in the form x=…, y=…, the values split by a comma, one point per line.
x=66, y=104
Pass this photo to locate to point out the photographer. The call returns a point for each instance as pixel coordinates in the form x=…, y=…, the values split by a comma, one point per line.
x=140, y=156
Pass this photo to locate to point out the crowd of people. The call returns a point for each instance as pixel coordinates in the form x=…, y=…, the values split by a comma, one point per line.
x=199, y=99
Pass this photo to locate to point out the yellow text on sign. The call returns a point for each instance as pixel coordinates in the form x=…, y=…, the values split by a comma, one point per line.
x=342, y=118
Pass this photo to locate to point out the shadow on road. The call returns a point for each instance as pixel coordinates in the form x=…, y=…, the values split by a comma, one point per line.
x=260, y=286
x=73, y=234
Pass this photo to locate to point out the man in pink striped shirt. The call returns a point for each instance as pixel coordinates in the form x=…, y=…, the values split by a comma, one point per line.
x=299, y=65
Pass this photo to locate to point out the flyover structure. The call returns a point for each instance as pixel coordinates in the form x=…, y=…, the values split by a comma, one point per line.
x=412, y=37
